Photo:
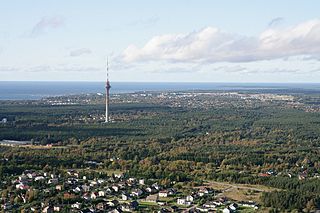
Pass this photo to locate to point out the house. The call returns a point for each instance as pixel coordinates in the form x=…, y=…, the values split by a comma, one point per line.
x=202, y=209
x=38, y=178
x=53, y=181
x=249, y=204
x=141, y=181
x=125, y=196
x=172, y=191
x=85, y=188
x=163, y=193
x=100, y=181
x=23, y=178
x=204, y=191
x=59, y=187
x=151, y=190
x=73, y=173
x=109, y=190
x=118, y=176
x=94, y=195
x=190, y=198
x=76, y=205
x=217, y=203
x=233, y=206
x=4, y=120
x=68, y=195
x=101, y=206
x=93, y=183
x=115, y=188
x=102, y=193
x=137, y=192
x=156, y=186
x=77, y=189
x=35, y=208
x=57, y=208
x=132, y=180
x=129, y=207
x=31, y=175
x=72, y=181
x=183, y=201
x=22, y=186
x=121, y=185
x=86, y=196
x=227, y=210
x=48, y=209
x=152, y=198
x=209, y=205
x=113, y=203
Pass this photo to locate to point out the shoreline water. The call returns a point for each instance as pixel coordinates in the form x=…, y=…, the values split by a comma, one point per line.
x=35, y=90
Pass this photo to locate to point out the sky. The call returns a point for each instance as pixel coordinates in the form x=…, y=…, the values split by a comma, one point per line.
x=160, y=41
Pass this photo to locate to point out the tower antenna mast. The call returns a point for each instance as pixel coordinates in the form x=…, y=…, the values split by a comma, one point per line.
x=107, y=120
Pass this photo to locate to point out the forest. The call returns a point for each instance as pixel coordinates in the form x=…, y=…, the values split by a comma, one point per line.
x=222, y=137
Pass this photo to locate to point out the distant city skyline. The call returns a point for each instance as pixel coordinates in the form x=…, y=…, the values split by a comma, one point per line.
x=160, y=41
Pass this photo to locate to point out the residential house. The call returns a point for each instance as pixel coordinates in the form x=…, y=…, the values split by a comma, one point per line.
x=163, y=193
x=141, y=181
x=113, y=203
x=39, y=178
x=190, y=198
x=183, y=201
x=137, y=192
x=233, y=206
x=227, y=210
x=101, y=206
x=125, y=196
x=57, y=208
x=129, y=207
x=210, y=205
x=53, y=181
x=115, y=188
x=94, y=195
x=48, y=209
x=102, y=193
x=202, y=209
x=76, y=205
x=152, y=198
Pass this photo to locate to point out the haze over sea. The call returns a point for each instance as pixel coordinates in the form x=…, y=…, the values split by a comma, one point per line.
x=27, y=90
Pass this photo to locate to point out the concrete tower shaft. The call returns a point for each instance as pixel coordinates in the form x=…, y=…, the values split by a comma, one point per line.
x=108, y=86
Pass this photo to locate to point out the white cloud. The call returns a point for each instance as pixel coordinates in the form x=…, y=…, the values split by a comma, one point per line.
x=46, y=23
x=211, y=45
x=275, y=22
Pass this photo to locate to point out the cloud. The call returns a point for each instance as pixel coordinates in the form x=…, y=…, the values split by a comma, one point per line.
x=46, y=23
x=79, y=52
x=212, y=45
x=9, y=68
x=276, y=21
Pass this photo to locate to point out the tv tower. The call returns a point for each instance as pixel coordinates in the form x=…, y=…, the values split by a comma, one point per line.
x=107, y=94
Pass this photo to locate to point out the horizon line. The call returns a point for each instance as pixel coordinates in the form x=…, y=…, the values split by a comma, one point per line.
x=190, y=82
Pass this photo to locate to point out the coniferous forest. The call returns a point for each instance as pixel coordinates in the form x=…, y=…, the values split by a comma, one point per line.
x=264, y=138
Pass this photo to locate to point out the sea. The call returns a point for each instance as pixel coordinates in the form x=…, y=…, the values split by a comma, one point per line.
x=35, y=90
